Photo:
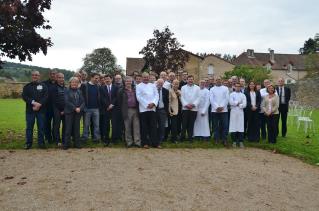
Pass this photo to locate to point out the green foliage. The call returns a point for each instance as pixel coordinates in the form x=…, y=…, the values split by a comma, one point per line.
x=312, y=64
x=12, y=135
x=310, y=46
x=101, y=60
x=22, y=73
x=249, y=73
x=163, y=52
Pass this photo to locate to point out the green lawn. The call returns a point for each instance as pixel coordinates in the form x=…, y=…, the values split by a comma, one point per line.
x=12, y=126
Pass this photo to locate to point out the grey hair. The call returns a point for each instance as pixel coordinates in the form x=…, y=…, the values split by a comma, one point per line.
x=128, y=78
x=74, y=79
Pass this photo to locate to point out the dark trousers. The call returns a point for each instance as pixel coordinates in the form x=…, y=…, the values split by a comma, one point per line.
x=262, y=125
x=245, y=122
x=57, y=120
x=221, y=126
x=48, y=125
x=148, y=127
x=188, y=121
x=105, y=126
x=272, y=128
x=72, y=129
x=30, y=120
x=161, y=121
x=253, y=122
x=175, y=126
x=283, y=113
x=237, y=137
x=117, y=125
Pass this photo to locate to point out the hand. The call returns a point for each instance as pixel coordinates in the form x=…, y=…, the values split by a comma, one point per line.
x=35, y=108
x=77, y=110
x=202, y=114
x=62, y=113
x=110, y=107
x=151, y=105
x=253, y=108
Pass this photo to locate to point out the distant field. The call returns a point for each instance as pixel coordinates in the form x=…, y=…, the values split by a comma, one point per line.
x=12, y=129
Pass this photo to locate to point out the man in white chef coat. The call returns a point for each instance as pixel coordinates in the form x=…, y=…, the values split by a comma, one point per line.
x=237, y=101
x=147, y=96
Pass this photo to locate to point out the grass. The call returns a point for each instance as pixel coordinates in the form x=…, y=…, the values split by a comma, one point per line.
x=12, y=130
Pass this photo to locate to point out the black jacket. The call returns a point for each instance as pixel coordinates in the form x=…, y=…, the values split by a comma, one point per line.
x=58, y=97
x=287, y=98
x=36, y=91
x=51, y=86
x=71, y=102
x=165, y=96
x=258, y=101
x=108, y=99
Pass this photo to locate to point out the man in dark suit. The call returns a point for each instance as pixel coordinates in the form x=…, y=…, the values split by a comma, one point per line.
x=284, y=94
x=108, y=102
x=161, y=109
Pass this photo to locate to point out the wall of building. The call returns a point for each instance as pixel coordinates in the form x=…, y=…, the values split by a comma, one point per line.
x=296, y=75
x=219, y=66
x=192, y=66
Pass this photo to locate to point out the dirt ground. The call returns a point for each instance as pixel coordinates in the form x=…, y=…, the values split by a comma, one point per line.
x=166, y=179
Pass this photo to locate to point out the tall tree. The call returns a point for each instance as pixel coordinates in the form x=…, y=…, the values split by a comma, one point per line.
x=101, y=60
x=163, y=52
x=19, y=20
x=310, y=46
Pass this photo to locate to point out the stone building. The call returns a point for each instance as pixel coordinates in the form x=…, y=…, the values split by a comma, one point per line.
x=291, y=67
x=199, y=67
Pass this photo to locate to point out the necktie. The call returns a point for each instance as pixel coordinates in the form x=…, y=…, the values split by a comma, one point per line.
x=109, y=91
x=159, y=97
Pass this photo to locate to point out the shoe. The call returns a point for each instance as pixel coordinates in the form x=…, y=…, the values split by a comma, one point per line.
x=27, y=146
x=159, y=147
x=234, y=145
x=146, y=146
x=241, y=145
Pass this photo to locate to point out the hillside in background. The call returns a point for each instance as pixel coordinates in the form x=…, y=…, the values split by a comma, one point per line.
x=21, y=73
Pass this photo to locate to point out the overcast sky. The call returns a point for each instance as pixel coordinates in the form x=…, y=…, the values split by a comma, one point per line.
x=232, y=26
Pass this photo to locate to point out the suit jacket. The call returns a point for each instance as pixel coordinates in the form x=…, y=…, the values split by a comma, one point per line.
x=174, y=102
x=165, y=98
x=284, y=107
x=258, y=101
x=274, y=104
x=122, y=102
x=70, y=101
x=108, y=99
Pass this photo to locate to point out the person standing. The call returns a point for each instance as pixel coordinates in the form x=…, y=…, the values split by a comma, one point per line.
x=175, y=111
x=270, y=106
x=262, y=117
x=184, y=80
x=253, y=107
x=91, y=94
x=161, y=109
x=284, y=94
x=35, y=95
x=147, y=96
x=58, y=109
x=74, y=106
x=237, y=101
x=128, y=103
x=201, y=126
x=190, y=96
x=219, y=97
x=49, y=113
x=117, y=121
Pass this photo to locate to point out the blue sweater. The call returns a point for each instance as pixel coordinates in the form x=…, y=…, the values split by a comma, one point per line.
x=92, y=96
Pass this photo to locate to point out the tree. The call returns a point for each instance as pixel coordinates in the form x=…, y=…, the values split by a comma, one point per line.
x=310, y=46
x=101, y=60
x=19, y=21
x=312, y=64
x=249, y=73
x=164, y=52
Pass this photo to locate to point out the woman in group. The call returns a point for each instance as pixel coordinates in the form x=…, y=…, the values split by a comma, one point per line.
x=253, y=107
x=270, y=106
x=74, y=106
x=175, y=109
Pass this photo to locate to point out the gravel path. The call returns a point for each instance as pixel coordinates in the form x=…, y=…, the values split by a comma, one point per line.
x=167, y=179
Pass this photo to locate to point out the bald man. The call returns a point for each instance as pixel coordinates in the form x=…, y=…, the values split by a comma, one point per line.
x=284, y=98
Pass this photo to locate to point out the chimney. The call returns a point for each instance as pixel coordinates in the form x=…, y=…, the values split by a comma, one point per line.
x=250, y=53
x=271, y=55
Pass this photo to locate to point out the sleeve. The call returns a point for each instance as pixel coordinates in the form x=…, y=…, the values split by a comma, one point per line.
x=275, y=108
x=263, y=105
x=244, y=103
x=226, y=99
x=156, y=96
x=197, y=97
x=82, y=104
x=211, y=98
x=183, y=100
x=140, y=98
x=45, y=95
x=25, y=96
x=169, y=100
x=68, y=101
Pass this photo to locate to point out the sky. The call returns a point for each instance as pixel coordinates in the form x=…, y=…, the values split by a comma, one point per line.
x=124, y=26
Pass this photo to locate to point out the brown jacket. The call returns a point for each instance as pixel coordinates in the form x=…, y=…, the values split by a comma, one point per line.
x=174, y=106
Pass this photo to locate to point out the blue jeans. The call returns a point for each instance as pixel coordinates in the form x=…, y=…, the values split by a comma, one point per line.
x=220, y=126
x=30, y=120
x=94, y=115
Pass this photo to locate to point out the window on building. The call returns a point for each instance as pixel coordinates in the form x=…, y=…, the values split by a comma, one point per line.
x=210, y=69
x=268, y=66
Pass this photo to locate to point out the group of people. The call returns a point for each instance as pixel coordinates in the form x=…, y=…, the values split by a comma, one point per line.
x=146, y=110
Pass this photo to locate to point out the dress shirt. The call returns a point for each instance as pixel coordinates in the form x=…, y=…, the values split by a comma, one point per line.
x=253, y=98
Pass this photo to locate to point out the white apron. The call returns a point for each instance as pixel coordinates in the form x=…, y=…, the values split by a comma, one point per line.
x=236, y=122
x=201, y=126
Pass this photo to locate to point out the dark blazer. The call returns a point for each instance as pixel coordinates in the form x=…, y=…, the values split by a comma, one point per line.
x=36, y=91
x=284, y=107
x=122, y=102
x=258, y=100
x=165, y=95
x=106, y=100
x=70, y=101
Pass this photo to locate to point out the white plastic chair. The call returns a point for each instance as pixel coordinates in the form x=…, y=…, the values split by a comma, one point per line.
x=307, y=120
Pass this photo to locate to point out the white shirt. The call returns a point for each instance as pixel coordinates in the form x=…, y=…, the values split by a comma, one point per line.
x=146, y=94
x=167, y=85
x=281, y=90
x=190, y=95
x=219, y=97
x=253, y=98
